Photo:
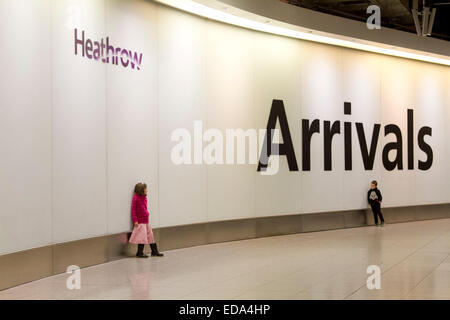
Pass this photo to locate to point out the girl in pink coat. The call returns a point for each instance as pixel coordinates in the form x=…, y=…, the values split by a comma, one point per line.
x=142, y=232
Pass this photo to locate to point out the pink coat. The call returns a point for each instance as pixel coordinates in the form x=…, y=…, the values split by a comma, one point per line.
x=139, y=212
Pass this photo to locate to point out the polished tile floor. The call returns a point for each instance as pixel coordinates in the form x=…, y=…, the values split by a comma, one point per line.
x=414, y=259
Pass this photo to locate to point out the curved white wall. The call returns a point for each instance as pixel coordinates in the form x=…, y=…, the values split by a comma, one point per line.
x=76, y=134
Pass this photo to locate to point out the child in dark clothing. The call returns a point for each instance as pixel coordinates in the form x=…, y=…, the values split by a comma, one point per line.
x=374, y=198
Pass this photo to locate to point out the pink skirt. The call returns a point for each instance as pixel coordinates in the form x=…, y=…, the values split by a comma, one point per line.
x=142, y=234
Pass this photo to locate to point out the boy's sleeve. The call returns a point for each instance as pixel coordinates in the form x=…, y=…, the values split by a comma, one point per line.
x=380, y=197
x=133, y=210
x=368, y=196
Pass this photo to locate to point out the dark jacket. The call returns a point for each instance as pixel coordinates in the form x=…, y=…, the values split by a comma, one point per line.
x=374, y=196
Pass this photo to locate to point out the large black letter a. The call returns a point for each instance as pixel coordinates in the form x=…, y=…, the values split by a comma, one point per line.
x=286, y=148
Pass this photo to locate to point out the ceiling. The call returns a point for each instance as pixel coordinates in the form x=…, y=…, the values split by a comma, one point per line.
x=395, y=14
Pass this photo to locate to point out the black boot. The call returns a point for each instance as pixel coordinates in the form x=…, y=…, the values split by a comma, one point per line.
x=140, y=253
x=155, y=252
x=382, y=219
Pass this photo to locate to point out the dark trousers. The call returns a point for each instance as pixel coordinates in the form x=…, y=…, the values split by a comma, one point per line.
x=376, y=210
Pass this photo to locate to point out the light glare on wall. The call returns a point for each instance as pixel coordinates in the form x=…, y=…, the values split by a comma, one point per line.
x=218, y=15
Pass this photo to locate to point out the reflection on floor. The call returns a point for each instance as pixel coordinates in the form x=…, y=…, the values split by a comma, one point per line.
x=414, y=259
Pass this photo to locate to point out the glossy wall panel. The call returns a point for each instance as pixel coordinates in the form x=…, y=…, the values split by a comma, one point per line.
x=25, y=125
x=322, y=99
x=277, y=64
x=181, y=101
x=132, y=112
x=431, y=108
x=397, y=76
x=78, y=124
x=361, y=87
x=229, y=99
